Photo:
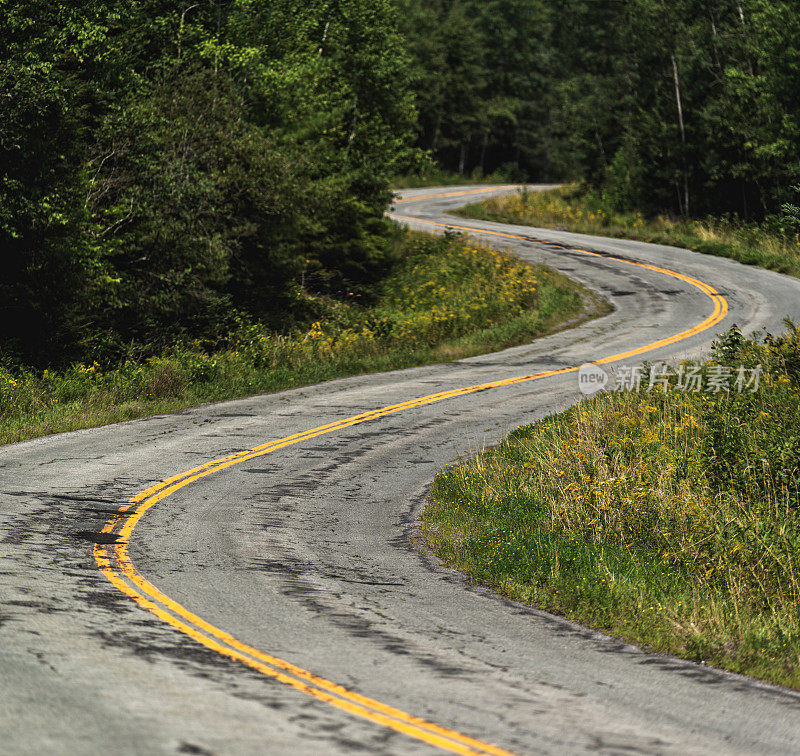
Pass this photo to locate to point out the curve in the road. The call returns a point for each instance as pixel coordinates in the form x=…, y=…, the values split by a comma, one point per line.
x=115, y=562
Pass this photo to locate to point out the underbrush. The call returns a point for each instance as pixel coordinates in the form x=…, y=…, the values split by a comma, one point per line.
x=670, y=519
x=446, y=298
x=435, y=176
x=571, y=209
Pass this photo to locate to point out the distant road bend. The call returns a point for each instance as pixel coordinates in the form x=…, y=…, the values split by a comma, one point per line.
x=242, y=577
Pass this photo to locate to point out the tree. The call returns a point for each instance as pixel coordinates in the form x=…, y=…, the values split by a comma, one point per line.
x=168, y=164
x=41, y=187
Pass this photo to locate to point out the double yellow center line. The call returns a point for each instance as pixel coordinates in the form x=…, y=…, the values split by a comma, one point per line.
x=115, y=563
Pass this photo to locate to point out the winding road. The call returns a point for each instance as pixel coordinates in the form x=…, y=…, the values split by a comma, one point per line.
x=243, y=577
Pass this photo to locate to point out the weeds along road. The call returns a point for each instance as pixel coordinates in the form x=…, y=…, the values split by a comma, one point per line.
x=274, y=601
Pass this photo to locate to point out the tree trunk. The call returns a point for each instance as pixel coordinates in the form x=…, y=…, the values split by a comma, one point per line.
x=435, y=136
x=686, y=193
x=715, y=33
x=678, y=97
x=744, y=35
x=679, y=103
x=180, y=27
x=352, y=135
x=324, y=36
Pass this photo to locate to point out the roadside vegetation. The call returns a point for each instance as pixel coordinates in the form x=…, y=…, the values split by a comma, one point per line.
x=177, y=173
x=773, y=243
x=443, y=299
x=666, y=518
x=170, y=170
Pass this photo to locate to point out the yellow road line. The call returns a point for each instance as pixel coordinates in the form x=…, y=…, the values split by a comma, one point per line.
x=120, y=571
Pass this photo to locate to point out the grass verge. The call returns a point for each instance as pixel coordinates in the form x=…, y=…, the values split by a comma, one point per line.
x=446, y=299
x=667, y=518
x=571, y=209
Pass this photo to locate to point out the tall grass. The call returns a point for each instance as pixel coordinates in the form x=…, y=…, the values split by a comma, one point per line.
x=571, y=209
x=447, y=298
x=671, y=519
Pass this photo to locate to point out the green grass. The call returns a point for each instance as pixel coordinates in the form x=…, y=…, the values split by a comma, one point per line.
x=571, y=209
x=446, y=298
x=667, y=518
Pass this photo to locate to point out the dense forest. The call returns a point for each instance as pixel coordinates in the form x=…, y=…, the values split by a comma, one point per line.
x=172, y=169
x=168, y=167
x=689, y=106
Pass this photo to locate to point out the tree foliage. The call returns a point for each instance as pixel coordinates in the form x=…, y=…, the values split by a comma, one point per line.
x=169, y=167
x=684, y=106
x=166, y=165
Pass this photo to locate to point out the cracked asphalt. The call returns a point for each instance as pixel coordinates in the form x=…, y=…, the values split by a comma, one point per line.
x=309, y=554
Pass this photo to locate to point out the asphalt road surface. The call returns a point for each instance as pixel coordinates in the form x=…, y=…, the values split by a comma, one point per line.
x=274, y=602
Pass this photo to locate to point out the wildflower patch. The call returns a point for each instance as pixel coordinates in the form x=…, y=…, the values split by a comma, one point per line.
x=445, y=298
x=668, y=517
